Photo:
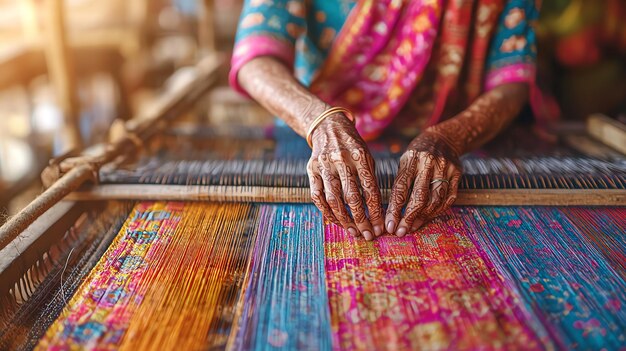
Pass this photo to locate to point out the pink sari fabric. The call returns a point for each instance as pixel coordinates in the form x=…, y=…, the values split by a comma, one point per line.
x=422, y=60
x=413, y=63
x=384, y=47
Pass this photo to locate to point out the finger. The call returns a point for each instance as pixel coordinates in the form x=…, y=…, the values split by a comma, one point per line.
x=438, y=189
x=352, y=196
x=417, y=224
x=455, y=178
x=400, y=190
x=317, y=194
x=420, y=195
x=334, y=196
x=371, y=192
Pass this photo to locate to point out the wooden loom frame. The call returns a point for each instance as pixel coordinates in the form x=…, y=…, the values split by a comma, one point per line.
x=257, y=193
x=27, y=237
x=66, y=175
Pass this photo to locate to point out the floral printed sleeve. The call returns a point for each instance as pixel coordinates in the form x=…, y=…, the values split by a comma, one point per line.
x=267, y=28
x=513, y=50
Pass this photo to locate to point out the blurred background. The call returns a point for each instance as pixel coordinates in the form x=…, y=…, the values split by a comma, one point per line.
x=69, y=68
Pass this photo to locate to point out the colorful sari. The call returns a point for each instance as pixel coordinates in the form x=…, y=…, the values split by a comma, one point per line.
x=413, y=63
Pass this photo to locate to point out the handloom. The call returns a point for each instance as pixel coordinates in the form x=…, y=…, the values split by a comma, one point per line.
x=273, y=276
x=270, y=165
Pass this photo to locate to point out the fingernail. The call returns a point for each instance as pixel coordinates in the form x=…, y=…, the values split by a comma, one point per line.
x=417, y=225
x=391, y=226
x=353, y=232
x=378, y=230
x=401, y=231
x=367, y=235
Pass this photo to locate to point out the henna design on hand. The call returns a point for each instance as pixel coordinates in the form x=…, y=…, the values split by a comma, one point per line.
x=484, y=119
x=341, y=170
x=434, y=155
x=339, y=150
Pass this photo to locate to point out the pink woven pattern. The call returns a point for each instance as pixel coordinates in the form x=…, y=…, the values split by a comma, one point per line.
x=433, y=290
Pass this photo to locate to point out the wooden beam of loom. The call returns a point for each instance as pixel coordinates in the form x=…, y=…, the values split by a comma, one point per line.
x=206, y=26
x=608, y=131
x=483, y=197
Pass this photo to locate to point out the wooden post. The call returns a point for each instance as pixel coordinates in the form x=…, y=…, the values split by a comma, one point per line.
x=124, y=110
x=30, y=28
x=60, y=68
x=206, y=27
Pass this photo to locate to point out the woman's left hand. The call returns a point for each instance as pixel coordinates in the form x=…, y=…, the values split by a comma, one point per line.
x=431, y=168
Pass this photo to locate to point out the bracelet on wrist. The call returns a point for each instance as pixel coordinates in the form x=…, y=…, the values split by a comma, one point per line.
x=331, y=111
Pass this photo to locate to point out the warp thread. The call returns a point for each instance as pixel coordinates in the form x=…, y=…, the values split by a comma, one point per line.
x=285, y=305
x=89, y=239
x=517, y=160
x=176, y=264
x=606, y=229
x=564, y=278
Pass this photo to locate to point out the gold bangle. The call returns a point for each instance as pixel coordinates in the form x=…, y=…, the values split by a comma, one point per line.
x=331, y=111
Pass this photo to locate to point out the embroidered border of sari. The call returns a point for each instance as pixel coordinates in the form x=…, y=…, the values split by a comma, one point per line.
x=384, y=46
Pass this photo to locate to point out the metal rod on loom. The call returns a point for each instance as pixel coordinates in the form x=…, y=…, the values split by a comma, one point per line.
x=68, y=175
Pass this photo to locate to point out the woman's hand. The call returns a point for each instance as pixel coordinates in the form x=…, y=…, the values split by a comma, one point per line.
x=341, y=171
x=431, y=168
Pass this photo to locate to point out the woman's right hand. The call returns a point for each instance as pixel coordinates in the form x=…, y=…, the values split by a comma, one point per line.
x=341, y=171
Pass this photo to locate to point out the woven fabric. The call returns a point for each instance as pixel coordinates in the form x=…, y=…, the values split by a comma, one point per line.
x=285, y=305
x=430, y=290
x=606, y=229
x=169, y=280
x=563, y=276
x=178, y=275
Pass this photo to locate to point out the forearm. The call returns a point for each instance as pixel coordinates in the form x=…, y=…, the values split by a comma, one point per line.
x=484, y=119
x=272, y=84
